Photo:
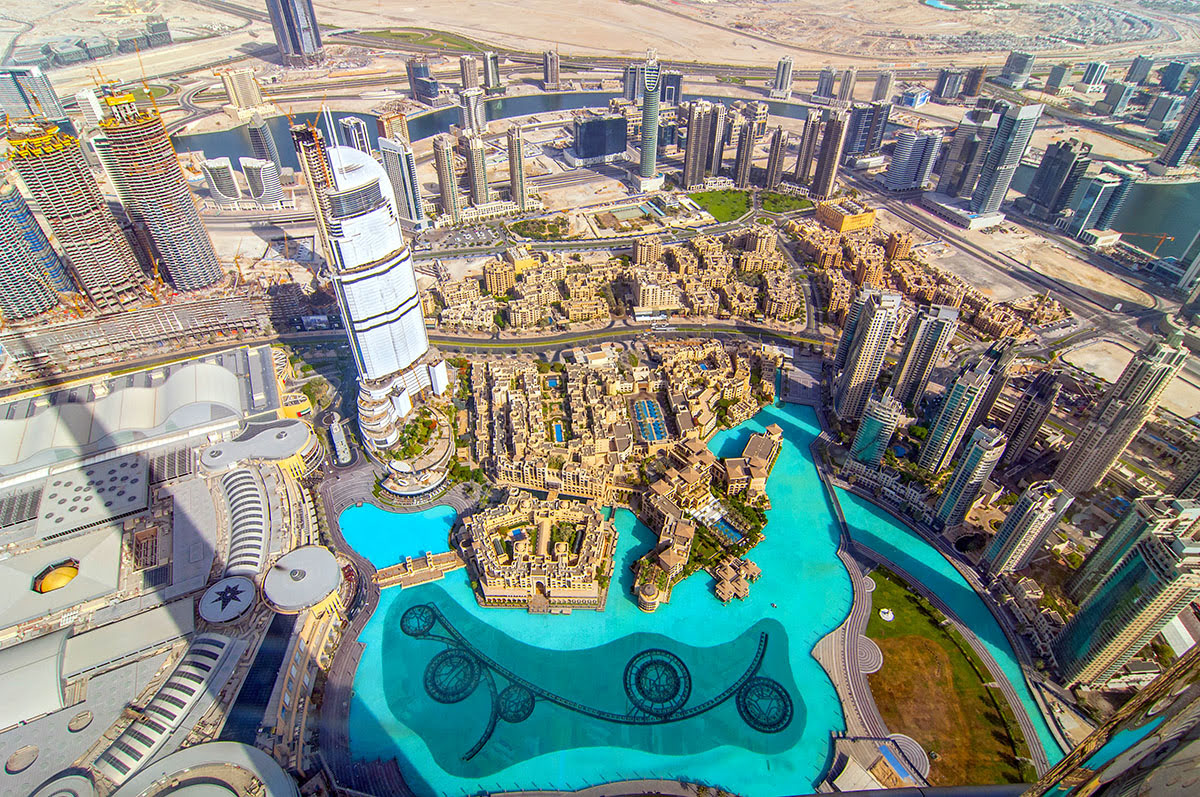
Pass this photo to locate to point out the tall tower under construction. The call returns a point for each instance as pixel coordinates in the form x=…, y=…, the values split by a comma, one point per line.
x=160, y=203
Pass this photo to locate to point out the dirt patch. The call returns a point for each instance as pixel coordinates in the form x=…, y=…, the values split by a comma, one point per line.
x=1106, y=359
x=1058, y=264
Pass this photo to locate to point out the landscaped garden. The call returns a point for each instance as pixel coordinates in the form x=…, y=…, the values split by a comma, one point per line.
x=774, y=202
x=723, y=205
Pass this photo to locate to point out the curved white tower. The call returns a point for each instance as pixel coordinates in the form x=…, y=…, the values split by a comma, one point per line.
x=372, y=271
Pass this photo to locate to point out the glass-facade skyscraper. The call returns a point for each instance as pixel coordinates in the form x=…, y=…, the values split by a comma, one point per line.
x=31, y=272
x=1004, y=156
x=296, y=32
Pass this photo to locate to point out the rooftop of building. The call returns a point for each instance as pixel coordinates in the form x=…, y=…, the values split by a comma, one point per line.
x=301, y=579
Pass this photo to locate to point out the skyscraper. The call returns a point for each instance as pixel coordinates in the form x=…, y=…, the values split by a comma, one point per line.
x=913, y=159
x=31, y=272
x=421, y=83
x=1059, y=79
x=949, y=83
x=865, y=128
x=743, y=162
x=846, y=87
x=650, y=180
x=468, y=70
x=309, y=143
x=872, y=336
x=967, y=152
x=825, y=81
x=975, y=467
x=222, y=184
x=1030, y=412
x=26, y=93
x=1116, y=98
x=1004, y=156
x=491, y=74
x=830, y=157
x=1182, y=143
x=633, y=82
x=1093, y=76
x=997, y=358
x=1186, y=483
x=1017, y=70
x=930, y=334
x=1139, y=71
x=1171, y=76
x=776, y=151
x=879, y=421
x=1026, y=528
x=1057, y=177
x=781, y=89
x=1098, y=192
x=719, y=132
x=955, y=416
x=885, y=86
x=443, y=160
x=1120, y=414
x=973, y=85
x=1149, y=514
x=400, y=164
x=550, y=81
x=375, y=285
x=671, y=92
x=516, y=168
x=1156, y=580
x=241, y=87
x=695, y=152
x=296, y=32
x=162, y=206
x=477, y=171
x=52, y=166
x=90, y=108
x=262, y=143
x=472, y=111
x=394, y=126
x=1164, y=110
x=354, y=134
x=262, y=182
x=808, y=149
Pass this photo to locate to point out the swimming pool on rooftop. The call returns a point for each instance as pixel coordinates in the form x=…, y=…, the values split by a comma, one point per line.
x=567, y=701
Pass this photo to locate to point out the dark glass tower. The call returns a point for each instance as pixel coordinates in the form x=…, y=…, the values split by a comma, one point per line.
x=296, y=32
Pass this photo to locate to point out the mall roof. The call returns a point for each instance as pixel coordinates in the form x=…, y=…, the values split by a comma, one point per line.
x=99, y=556
x=207, y=757
x=301, y=579
x=124, y=638
x=270, y=441
x=227, y=600
x=31, y=678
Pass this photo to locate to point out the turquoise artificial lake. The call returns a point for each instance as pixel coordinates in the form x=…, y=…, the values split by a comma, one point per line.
x=556, y=702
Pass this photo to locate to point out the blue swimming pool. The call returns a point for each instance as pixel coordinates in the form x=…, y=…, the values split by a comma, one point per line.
x=559, y=437
x=553, y=701
x=552, y=381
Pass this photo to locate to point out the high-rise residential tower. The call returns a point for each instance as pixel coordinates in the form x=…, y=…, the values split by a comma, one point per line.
x=825, y=80
x=353, y=133
x=443, y=160
x=930, y=334
x=718, y=132
x=1149, y=514
x=696, y=151
x=846, y=87
x=1017, y=70
x=472, y=110
x=1026, y=528
x=222, y=183
x=776, y=150
x=809, y=139
x=967, y=151
x=26, y=93
x=162, y=207
x=913, y=159
x=1157, y=579
x=973, y=85
x=296, y=32
x=1030, y=412
x=262, y=143
x=401, y=166
x=1057, y=177
x=31, y=272
x=830, y=156
x=1186, y=483
x=241, y=87
x=781, y=89
x=865, y=127
x=885, y=86
x=1117, y=96
x=516, y=169
x=1058, y=82
x=477, y=178
x=375, y=285
x=954, y=419
x=491, y=74
x=997, y=358
x=1171, y=76
x=949, y=84
x=1182, y=143
x=262, y=182
x=52, y=166
x=550, y=79
x=1120, y=414
x=650, y=179
x=1139, y=71
x=1004, y=156
x=1093, y=76
x=871, y=338
x=975, y=467
x=468, y=70
x=743, y=162
x=879, y=421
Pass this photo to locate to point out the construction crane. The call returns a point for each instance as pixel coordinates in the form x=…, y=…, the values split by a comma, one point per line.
x=1160, y=236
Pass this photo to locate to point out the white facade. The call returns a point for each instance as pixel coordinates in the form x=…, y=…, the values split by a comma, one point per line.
x=222, y=184
x=262, y=180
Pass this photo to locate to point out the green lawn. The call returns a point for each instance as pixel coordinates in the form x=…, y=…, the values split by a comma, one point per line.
x=773, y=202
x=427, y=38
x=931, y=687
x=723, y=205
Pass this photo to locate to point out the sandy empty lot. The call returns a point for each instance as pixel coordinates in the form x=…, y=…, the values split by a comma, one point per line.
x=1106, y=359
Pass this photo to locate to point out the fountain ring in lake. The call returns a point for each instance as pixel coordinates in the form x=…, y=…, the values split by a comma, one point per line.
x=657, y=684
